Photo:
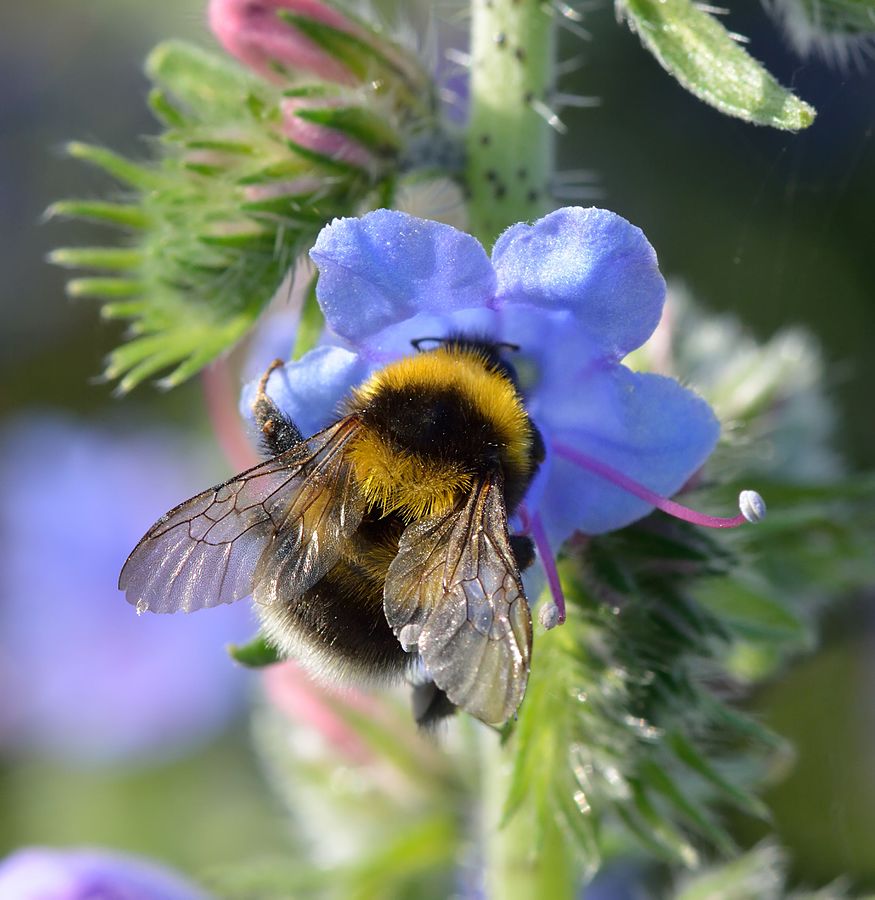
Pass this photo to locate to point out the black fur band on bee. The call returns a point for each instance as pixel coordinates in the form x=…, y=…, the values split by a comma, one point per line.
x=380, y=543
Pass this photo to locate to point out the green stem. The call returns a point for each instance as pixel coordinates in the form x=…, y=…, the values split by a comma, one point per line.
x=510, y=160
x=510, y=143
x=519, y=866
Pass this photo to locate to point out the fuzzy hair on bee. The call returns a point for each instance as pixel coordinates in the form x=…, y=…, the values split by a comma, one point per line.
x=377, y=548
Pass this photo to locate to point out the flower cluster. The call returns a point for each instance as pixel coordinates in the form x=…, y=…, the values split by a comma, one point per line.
x=254, y=160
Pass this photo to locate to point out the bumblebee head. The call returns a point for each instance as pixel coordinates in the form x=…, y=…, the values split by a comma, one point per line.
x=492, y=352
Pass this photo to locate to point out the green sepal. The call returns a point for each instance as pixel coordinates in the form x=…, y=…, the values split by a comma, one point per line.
x=325, y=161
x=255, y=654
x=358, y=123
x=165, y=110
x=121, y=169
x=701, y=54
x=118, y=258
x=104, y=287
x=362, y=59
x=202, y=81
x=120, y=215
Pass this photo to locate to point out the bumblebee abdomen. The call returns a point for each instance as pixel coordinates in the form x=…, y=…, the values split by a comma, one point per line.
x=338, y=626
x=432, y=424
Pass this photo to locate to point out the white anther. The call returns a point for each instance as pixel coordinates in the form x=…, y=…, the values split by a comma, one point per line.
x=549, y=615
x=752, y=506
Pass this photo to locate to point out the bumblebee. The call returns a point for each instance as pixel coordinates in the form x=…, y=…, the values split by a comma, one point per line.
x=379, y=546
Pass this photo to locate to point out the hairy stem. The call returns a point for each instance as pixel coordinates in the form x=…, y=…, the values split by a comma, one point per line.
x=510, y=143
x=510, y=159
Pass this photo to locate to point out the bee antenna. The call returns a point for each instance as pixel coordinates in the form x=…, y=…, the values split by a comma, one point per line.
x=514, y=348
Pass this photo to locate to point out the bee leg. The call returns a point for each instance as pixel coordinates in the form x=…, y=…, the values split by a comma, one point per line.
x=523, y=549
x=278, y=432
x=430, y=704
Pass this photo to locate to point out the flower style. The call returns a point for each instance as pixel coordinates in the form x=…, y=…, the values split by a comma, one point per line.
x=575, y=292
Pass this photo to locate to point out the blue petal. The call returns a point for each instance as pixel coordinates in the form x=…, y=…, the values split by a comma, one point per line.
x=388, y=266
x=646, y=426
x=591, y=262
x=391, y=343
x=311, y=389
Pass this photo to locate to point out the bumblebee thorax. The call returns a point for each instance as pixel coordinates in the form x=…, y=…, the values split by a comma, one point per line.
x=432, y=423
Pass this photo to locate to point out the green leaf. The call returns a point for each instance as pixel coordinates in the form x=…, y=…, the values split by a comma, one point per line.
x=659, y=781
x=254, y=655
x=702, y=55
x=691, y=757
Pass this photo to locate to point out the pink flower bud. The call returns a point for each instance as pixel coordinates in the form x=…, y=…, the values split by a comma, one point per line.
x=253, y=31
x=321, y=139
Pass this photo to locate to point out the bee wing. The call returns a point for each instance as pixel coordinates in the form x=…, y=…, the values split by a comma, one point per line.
x=206, y=551
x=326, y=508
x=454, y=591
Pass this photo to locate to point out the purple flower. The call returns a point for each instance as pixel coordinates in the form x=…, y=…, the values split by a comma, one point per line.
x=82, y=677
x=41, y=873
x=575, y=292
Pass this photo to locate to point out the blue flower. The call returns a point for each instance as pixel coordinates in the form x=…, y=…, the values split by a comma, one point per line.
x=82, y=678
x=576, y=292
x=40, y=873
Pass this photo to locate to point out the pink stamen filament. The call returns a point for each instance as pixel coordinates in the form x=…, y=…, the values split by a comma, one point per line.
x=608, y=473
x=532, y=523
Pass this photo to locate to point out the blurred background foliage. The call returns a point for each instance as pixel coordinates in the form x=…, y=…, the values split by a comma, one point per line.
x=773, y=227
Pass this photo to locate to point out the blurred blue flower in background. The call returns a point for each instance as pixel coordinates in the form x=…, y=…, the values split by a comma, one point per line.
x=83, y=679
x=41, y=873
